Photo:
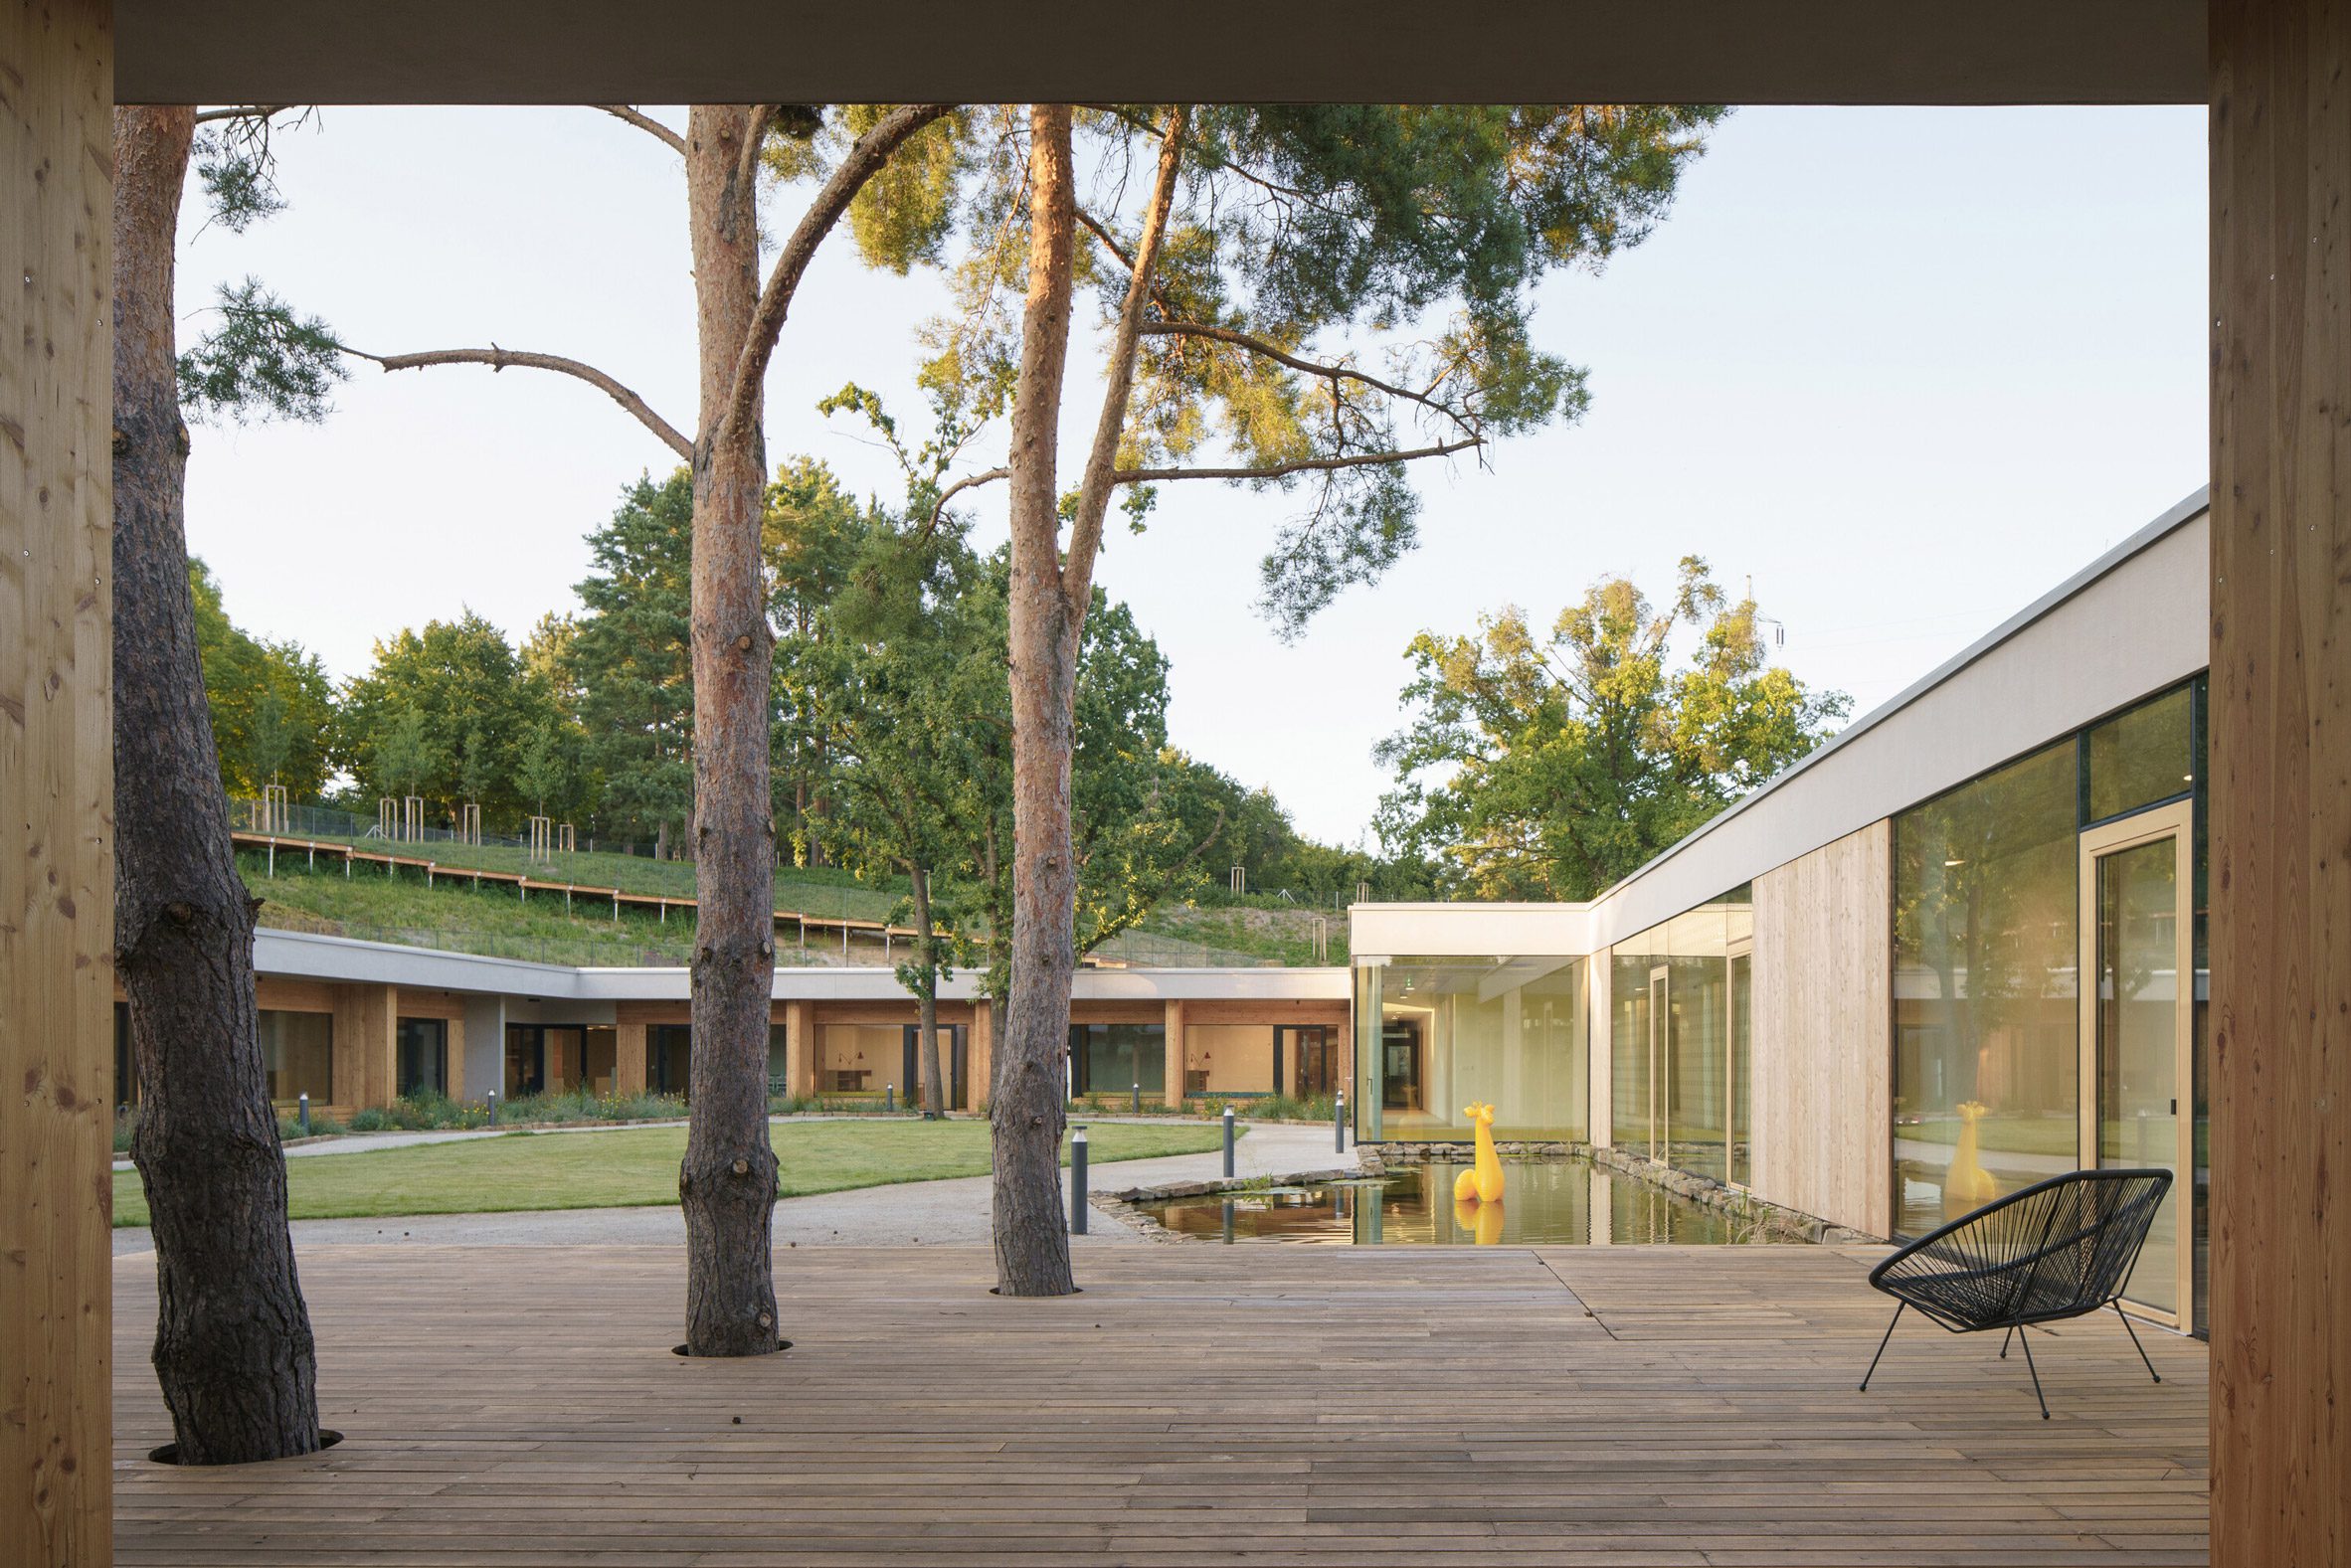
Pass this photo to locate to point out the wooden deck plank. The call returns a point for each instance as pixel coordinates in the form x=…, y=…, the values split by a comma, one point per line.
x=1195, y=1403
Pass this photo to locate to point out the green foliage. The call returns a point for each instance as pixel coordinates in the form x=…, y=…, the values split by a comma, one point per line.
x=1250, y=829
x=262, y=359
x=444, y=713
x=1341, y=289
x=1553, y=766
x=271, y=703
x=627, y=663
x=910, y=691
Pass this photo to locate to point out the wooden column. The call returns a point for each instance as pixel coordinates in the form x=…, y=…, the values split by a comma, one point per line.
x=365, y=1045
x=628, y=1040
x=2280, y=809
x=981, y=1063
x=799, y=1049
x=1600, y=1051
x=1173, y=1089
x=57, y=782
x=456, y=1088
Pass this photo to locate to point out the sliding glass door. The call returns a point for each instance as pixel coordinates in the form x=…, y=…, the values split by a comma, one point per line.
x=2136, y=1018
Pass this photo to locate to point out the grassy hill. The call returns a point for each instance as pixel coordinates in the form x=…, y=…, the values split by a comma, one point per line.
x=461, y=917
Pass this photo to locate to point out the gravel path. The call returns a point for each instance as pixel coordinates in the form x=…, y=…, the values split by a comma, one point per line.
x=907, y=1214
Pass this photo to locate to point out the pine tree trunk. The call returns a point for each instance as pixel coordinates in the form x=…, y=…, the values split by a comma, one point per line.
x=1027, y=1108
x=727, y=1182
x=232, y=1346
x=926, y=999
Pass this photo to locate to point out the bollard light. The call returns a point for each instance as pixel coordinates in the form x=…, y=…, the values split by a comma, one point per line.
x=1137, y=1106
x=302, y=1105
x=889, y=1097
x=493, y=1107
x=1228, y=1143
x=1077, y=1180
x=1339, y=1120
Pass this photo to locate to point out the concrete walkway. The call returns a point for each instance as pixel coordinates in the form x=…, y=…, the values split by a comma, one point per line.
x=908, y=1213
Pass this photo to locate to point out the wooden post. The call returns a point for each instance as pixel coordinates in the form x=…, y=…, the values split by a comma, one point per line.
x=57, y=867
x=2279, y=820
x=799, y=1049
x=628, y=1040
x=456, y=1087
x=1172, y=1088
x=365, y=1045
x=981, y=1064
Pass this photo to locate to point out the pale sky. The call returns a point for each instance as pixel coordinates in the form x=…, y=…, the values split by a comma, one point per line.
x=1904, y=368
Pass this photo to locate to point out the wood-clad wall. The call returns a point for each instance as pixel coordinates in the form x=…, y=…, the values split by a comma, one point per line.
x=57, y=781
x=1823, y=1033
x=2280, y=809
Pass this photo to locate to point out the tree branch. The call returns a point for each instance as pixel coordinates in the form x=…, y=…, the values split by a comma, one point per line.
x=243, y=111
x=864, y=160
x=971, y=482
x=646, y=123
x=1093, y=503
x=1109, y=242
x=497, y=358
x=755, y=135
x=1276, y=470
x=1281, y=356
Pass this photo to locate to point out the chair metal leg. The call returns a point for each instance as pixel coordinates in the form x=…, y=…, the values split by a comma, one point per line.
x=1873, y=1371
x=2004, y=1338
x=2026, y=1339
x=2134, y=1341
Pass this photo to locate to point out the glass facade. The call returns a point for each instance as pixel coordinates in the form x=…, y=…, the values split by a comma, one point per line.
x=1436, y=1034
x=2141, y=757
x=1994, y=1038
x=1112, y=1058
x=420, y=1053
x=298, y=1054
x=1986, y=937
x=1682, y=999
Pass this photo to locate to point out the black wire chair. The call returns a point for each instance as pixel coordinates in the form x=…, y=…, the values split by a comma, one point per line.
x=2061, y=1248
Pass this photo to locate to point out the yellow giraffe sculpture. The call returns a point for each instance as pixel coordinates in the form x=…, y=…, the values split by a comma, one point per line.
x=1967, y=1185
x=1482, y=1181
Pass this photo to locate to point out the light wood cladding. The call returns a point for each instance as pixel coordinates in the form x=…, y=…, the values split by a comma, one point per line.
x=1822, y=1032
x=57, y=781
x=2281, y=788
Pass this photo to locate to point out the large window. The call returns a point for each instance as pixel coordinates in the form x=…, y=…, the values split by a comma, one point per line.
x=1453, y=1032
x=1111, y=1058
x=669, y=1058
x=297, y=1053
x=422, y=1052
x=1681, y=996
x=860, y=1058
x=1987, y=1067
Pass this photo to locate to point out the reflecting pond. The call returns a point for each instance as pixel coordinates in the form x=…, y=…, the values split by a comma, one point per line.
x=1544, y=1203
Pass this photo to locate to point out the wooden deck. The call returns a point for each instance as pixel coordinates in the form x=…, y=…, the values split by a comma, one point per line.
x=1267, y=1405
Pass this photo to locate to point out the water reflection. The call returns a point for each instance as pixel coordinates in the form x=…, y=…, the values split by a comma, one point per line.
x=1548, y=1203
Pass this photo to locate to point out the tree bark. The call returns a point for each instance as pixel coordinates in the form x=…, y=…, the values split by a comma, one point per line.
x=926, y=999
x=1027, y=1107
x=233, y=1344
x=727, y=1181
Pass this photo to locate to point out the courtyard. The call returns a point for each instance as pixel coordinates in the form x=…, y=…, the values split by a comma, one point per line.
x=516, y=1405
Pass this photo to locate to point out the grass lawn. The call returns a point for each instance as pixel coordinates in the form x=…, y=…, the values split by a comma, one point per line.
x=638, y=1166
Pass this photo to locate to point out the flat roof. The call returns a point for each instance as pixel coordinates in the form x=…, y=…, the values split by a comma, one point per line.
x=1228, y=51
x=303, y=954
